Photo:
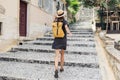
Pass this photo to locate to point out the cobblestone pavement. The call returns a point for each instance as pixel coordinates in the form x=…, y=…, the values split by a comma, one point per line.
x=34, y=60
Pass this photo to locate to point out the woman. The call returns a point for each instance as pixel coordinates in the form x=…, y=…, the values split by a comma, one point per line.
x=60, y=44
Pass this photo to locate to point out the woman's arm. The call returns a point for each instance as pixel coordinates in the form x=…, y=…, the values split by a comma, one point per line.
x=68, y=30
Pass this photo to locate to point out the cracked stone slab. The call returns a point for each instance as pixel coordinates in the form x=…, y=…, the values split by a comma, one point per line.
x=69, y=38
x=74, y=36
x=48, y=58
x=70, y=49
x=25, y=71
x=78, y=32
x=69, y=43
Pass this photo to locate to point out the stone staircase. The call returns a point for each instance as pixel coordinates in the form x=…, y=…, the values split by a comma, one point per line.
x=34, y=60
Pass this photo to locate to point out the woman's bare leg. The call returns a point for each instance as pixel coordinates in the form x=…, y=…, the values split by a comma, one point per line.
x=56, y=58
x=62, y=59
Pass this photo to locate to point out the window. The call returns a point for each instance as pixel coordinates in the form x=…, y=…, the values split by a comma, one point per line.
x=40, y=3
x=47, y=5
x=63, y=7
x=2, y=9
x=58, y=5
x=0, y=28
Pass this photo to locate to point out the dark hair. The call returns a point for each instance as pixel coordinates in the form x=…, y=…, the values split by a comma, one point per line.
x=60, y=19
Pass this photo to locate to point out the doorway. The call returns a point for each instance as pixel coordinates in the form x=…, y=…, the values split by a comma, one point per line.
x=23, y=19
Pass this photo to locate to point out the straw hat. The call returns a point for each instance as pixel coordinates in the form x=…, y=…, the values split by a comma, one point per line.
x=60, y=13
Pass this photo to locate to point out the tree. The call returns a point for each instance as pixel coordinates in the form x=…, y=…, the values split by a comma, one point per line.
x=90, y=3
x=108, y=5
x=72, y=7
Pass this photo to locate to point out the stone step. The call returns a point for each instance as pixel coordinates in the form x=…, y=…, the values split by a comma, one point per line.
x=113, y=52
x=109, y=42
x=89, y=61
x=79, y=33
x=49, y=44
x=69, y=39
x=82, y=33
x=74, y=36
x=79, y=29
x=38, y=48
x=27, y=71
x=10, y=78
x=47, y=51
x=69, y=43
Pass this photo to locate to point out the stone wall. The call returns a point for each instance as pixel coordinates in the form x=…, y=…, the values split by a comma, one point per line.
x=113, y=55
x=114, y=60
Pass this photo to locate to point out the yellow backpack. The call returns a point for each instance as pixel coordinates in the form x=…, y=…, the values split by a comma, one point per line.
x=57, y=29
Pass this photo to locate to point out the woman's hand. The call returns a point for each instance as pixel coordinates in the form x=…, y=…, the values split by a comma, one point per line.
x=70, y=34
x=68, y=30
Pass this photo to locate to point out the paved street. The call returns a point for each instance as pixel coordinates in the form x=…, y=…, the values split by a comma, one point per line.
x=34, y=60
x=26, y=39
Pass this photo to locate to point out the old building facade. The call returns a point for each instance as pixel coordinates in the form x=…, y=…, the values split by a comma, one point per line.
x=27, y=18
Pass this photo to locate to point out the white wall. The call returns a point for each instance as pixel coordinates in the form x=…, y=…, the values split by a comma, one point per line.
x=10, y=19
x=38, y=18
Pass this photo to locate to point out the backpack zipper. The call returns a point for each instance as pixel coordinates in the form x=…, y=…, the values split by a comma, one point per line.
x=57, y=28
